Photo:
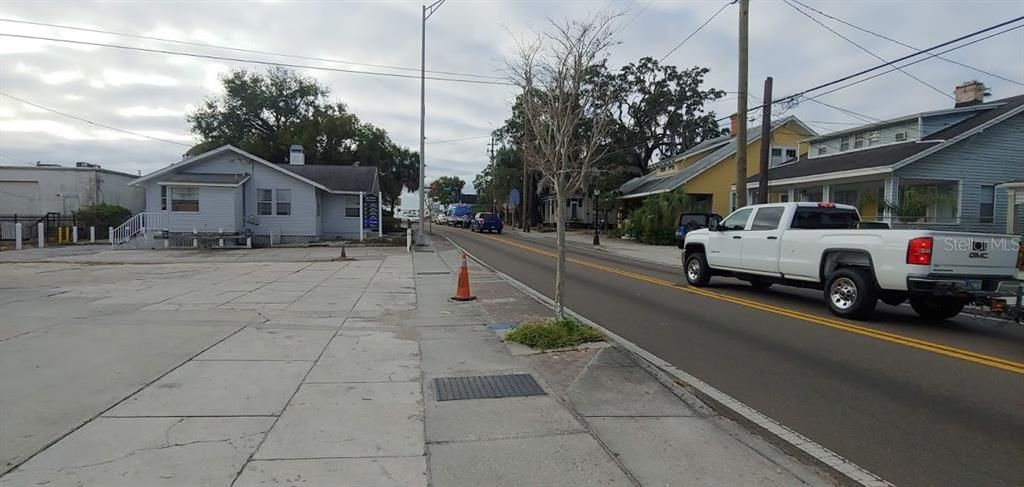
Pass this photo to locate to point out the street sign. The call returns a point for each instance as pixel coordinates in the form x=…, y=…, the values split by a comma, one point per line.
x=513, y=197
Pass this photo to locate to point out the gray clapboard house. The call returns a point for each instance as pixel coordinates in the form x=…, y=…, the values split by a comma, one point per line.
x=944, y=169
x=230, y=191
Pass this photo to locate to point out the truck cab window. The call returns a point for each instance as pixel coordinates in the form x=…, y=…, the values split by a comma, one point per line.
x=767, y=218
x=736, y=221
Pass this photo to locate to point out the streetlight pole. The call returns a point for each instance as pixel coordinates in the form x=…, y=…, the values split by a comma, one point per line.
x=428, y=10
x=597, y=213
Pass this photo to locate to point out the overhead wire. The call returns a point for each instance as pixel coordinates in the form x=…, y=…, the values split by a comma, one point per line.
x=706, y=22
x=908, y=46
x=239, y=49
x=91, y=122
x=252, y=61
x=862, y=48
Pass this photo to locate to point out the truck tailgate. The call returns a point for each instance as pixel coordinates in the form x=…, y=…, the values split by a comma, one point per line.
x=975, y=253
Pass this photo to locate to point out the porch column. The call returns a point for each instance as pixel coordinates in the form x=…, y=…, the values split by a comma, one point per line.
x=1011, y=207
x=380, y=216
x=826, y=192
x=891, y=197
x=361, y=229
x=791, y=194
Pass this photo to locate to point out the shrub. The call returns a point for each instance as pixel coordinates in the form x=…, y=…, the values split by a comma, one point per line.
x=654, y=223
x=103, y=215
x=548, y=334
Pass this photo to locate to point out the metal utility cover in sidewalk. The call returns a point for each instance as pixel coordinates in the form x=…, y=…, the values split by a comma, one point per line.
x=486, y=387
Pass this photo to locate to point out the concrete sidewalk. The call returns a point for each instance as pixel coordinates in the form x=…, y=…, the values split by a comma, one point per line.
x=336, y=387
x=660, y=254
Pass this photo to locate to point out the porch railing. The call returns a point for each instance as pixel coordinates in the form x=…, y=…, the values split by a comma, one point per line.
x=137, y=224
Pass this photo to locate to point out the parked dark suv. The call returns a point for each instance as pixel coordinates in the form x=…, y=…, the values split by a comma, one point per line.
x=483, y=222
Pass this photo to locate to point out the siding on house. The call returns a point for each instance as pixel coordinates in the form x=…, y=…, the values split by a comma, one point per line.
x=335, y=223
x=216, y=210
x=887, y=135
x=935, y=123
x=301, y=222
x=993, y=156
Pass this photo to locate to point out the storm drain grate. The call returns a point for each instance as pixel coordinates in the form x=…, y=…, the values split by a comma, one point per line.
x=486, y=387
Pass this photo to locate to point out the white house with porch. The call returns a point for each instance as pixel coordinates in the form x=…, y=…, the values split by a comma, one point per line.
x=228, y=191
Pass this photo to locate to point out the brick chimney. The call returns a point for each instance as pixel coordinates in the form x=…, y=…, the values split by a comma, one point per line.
x=734, y=124
x=970, y=93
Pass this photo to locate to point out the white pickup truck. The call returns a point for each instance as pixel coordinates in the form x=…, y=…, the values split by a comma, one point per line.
x=821, y=246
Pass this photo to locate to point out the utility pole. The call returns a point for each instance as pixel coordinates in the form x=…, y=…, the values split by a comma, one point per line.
x=741, y=110
x=526, y=193
x=494, y=173
x=428, y=10
x=766, y=142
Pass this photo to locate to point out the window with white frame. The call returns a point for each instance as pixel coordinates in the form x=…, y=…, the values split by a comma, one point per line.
x=844, y=143
x=283, y=204
x=900, y=136
x=822, y=150
x=264, y=202
x=163, y=198
x=986, y=211
x=778, y=155
x=185, y=199
x=858, y=141
x=874, y=137
x=352, y=206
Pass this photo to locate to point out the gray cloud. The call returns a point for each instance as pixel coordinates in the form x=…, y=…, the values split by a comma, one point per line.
x=467, y=36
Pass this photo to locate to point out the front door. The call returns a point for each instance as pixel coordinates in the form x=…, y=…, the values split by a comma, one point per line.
x=761, y=243
x=727, y=243
x=574, y=209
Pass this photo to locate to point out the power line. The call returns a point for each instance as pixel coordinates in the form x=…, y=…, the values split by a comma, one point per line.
x=456, y=140
x=890, y=39
x=90, y=122
x=848, y=77
x=253, y=61
x=239, y=49
x=876, y=56
x=706, y=22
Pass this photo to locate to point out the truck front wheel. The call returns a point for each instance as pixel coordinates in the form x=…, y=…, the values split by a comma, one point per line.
x=698, y=274
x=851, y=293
x=936, y=309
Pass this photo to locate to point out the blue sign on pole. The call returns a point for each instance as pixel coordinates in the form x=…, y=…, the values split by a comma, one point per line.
x=513, y=197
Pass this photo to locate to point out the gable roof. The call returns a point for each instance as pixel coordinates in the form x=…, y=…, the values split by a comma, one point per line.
x=349, y=179
x=212, y=179
x=888, y=157
x=652, y=183
x=284, y=168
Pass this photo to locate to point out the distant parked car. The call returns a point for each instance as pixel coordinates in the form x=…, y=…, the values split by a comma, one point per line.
x=486, y=222
x=411, y=216
x=441, y=218
x=689, y=222
x=460, y=215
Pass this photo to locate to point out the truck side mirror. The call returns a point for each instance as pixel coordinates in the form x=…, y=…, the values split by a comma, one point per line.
x=713, y=224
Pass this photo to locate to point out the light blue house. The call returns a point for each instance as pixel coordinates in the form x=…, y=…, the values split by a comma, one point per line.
x=230, y=191
x=943, y=169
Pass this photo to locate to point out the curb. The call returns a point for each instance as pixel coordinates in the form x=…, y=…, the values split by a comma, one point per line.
x=789, y=441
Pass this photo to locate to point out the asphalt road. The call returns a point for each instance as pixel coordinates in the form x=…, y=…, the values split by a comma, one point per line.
x=916, y=403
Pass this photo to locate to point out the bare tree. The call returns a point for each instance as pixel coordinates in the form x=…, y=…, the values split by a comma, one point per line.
x=566, y=117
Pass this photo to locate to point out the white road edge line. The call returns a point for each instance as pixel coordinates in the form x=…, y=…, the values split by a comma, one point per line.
x=840, y=465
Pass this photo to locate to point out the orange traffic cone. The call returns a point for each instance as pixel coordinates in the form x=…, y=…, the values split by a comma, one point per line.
x=462, y=292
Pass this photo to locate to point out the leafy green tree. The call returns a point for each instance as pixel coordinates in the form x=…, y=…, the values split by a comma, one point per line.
x=655, y=222
x=446, y=189
x=266, y=112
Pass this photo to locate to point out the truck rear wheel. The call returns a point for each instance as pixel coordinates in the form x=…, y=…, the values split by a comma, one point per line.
x=936, y=309
x=698, y=274
x=851, y=293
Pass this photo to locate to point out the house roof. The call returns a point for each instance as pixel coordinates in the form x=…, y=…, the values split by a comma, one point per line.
x=204, y=178
x=653, y=183
x=351, y=179
x=323, y=175
x=888, y=156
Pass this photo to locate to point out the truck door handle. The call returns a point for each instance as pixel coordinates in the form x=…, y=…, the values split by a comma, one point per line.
x=736, y=237
x=772, y=237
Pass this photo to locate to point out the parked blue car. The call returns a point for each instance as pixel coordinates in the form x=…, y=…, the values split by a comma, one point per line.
x=486, y=222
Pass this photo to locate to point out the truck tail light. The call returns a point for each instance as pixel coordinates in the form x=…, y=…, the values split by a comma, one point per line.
x=826, y=204
x=919, y=251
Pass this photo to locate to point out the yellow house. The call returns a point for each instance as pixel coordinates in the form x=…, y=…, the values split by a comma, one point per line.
x=707, y=172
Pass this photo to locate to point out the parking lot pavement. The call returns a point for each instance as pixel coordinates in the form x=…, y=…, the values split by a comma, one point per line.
x=83, y=329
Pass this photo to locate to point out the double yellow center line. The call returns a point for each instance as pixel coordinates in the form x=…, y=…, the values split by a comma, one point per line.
x=959, y=353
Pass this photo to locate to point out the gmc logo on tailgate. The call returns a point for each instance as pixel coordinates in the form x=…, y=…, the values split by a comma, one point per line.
x=979, y=250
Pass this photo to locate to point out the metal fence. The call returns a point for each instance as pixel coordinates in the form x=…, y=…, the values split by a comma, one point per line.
x=51, y=223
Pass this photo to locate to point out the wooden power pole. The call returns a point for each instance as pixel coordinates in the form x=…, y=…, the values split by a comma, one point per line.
x=766, y=142
x=741, y=110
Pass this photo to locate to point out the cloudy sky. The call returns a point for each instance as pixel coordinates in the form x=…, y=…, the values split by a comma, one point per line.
x=150, y=93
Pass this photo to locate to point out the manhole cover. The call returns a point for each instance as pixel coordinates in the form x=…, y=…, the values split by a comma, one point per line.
x=486, y=387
